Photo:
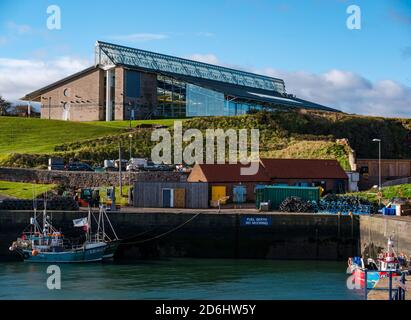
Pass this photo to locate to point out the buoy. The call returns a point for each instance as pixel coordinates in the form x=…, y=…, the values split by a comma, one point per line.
x=34, y=253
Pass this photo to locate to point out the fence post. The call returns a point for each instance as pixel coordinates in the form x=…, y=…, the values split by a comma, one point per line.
x=402, y=297
x=365, y=285
x=390, y=286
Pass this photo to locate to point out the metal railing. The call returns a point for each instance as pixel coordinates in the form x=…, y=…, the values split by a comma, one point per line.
x=397, y=293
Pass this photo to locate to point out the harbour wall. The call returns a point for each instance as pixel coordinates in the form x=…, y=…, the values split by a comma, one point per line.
x=374, y=231
x=211, y=235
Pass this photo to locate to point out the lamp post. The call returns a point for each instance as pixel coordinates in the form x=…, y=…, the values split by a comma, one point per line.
x=131, y=137
x=379, y=167
x=119, y=169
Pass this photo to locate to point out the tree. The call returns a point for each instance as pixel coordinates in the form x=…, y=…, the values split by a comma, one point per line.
x=4, y=106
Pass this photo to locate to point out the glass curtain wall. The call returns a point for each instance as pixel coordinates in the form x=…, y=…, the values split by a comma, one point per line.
x=171, y=96
x=177, y=99
x=205, y=102
x=237, y=108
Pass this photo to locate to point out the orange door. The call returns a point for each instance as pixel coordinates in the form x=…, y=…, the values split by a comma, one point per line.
x=179, y=198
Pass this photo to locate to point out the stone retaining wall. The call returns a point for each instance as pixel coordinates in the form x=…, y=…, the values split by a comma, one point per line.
x=375, y=231
x=77, y=179
x=285, y=236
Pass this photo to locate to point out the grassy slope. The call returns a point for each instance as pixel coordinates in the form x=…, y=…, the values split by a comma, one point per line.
x=23, y=190
x=134, y=123
x=401, y=191
x=282, y=134
x=22, y=135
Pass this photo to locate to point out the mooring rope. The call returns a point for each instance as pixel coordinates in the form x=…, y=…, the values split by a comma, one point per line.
x=163, y=234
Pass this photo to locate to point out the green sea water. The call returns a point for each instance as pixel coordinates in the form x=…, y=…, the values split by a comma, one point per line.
x=181, y=279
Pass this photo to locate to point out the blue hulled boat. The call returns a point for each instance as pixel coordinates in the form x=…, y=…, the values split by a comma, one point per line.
x=44, y=243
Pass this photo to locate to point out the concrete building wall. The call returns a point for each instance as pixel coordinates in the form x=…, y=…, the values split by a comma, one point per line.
x=330, y=184
x=391, y=169
x=77, y=100
x=119, y=93
x=374, y=231
x=86, y=98
x=250, y=189
x=250, y=186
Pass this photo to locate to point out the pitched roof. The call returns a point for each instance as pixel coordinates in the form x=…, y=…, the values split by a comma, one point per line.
x=156, y=62
x=35, y=95
x=303, y=168
x=270, y=169
x=227, y=173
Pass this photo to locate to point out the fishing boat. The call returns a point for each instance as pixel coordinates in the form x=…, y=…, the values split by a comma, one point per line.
x=44, y=243
x=386, y=263
x=112, y=241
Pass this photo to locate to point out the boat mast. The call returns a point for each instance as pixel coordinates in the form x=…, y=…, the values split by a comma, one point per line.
x=89, y=224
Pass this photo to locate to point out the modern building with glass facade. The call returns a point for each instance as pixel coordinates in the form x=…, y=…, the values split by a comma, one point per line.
x=127, y=83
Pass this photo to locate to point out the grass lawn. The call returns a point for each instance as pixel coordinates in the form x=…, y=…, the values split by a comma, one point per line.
x=126, y=123
x=23, y=190
x=401, y=191
x=25, y=135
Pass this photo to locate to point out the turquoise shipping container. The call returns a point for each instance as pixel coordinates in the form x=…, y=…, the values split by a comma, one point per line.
x=277, y=194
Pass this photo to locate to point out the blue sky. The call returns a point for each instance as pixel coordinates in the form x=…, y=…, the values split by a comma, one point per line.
x=306, y=42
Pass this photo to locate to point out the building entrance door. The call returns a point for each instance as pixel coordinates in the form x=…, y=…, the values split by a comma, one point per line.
x=168, y=198
x=66, y=111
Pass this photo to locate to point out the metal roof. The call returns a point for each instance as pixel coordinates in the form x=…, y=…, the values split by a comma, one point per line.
x=252, y=94
x=112, y=54
x=304, y=168
x=225, y=173
x=270, y=169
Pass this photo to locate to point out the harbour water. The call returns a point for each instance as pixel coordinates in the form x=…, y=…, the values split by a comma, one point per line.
x=181, y=279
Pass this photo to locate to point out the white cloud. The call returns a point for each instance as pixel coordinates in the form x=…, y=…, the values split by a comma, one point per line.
x=206, y=58
x=335, y=88
x=19, y=28
x=139, y=37
x=348, y=92
x=339, y=89
x=19, y=77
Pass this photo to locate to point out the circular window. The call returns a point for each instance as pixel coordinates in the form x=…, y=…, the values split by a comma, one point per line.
x=66, y=92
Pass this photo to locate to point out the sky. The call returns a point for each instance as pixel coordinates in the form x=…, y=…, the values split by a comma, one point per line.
x=305, y=42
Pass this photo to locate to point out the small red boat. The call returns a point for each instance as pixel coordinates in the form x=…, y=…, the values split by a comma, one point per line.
x=386, y=263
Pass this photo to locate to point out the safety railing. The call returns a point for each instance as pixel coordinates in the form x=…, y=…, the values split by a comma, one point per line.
x=394, y=293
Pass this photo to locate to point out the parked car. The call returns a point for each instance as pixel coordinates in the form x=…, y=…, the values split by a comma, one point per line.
x=136, y=164
x=56, y=163
x=79, y=166
x=109, y=165
x=151, y=166
x=123, y=164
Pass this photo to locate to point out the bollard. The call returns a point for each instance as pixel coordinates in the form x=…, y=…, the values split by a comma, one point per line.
x=390, y=286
